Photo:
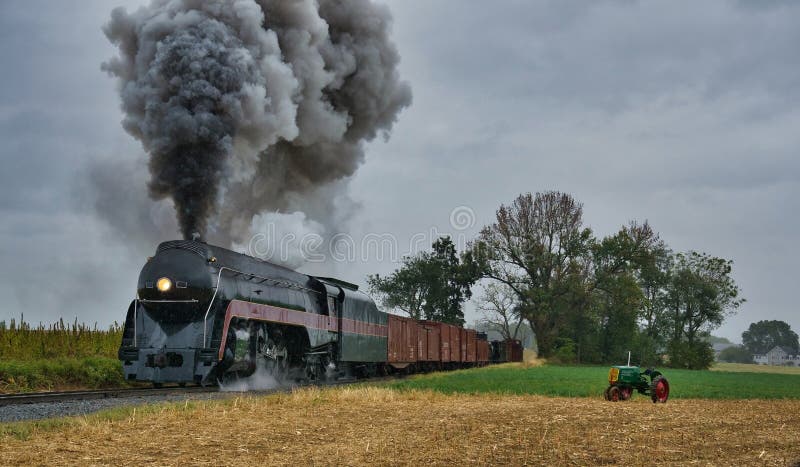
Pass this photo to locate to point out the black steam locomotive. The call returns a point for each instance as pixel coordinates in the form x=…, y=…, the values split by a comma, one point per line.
x=204, y=314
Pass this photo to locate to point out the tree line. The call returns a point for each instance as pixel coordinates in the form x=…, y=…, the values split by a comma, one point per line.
x=586, y=299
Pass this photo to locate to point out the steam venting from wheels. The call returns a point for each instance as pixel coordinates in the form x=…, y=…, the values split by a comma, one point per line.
x=254, y=106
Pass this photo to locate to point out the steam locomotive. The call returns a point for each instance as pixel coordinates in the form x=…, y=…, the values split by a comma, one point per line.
x=204, y=314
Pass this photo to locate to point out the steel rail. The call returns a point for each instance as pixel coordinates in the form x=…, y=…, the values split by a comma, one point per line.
x=52, y=396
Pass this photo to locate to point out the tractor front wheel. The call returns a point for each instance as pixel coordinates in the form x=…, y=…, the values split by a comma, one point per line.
x=659, y=389
x=625, y=393
x=613, y=394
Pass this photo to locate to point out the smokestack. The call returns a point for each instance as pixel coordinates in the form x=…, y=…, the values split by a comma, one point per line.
x=254, y=106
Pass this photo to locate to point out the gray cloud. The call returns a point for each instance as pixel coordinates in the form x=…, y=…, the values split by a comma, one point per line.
x=681, y=114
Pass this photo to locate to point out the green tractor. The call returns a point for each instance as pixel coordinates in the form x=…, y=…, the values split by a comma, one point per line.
x=623, y=379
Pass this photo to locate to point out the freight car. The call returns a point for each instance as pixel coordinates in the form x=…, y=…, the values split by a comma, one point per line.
x=508, y=350
x=204, y=314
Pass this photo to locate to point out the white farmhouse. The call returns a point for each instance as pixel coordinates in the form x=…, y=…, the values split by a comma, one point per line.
x=778, y=356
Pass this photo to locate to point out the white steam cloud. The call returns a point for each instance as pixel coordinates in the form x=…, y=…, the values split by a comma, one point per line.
x=286, y=239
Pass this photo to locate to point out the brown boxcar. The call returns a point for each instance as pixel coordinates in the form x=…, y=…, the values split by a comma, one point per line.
x=455, y=340
x=509, y=350
x=444, y=341
x=439, y=336
x=463, y=344
x=451, y=343
x=514, y=351
x=470, y=346
x=429, y=335
x=403, y=342
x=482, y=346
x=422, y=342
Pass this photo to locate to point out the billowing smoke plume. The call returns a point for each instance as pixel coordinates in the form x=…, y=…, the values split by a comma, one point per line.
x=253, y=106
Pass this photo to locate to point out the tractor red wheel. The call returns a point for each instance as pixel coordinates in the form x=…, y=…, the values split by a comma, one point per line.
x=605, y=393
x=613, y=394
x=625, y=393
x=659, y=389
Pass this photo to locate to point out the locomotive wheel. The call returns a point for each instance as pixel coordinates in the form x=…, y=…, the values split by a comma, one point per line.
x=614, y=394
x=275, y=358
x=659, y=389
x=625, y=393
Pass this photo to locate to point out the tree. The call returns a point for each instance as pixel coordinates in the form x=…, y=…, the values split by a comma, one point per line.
x=596, y=299
x=763, y=336
x=618, y=262
x=538, y=248
x=405, y=289
x=736, y=354
x=700, y=294
x=653, y=318
x=500, y=308
x=431, y=285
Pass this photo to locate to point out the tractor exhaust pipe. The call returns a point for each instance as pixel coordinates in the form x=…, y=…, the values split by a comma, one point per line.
x=629, y=358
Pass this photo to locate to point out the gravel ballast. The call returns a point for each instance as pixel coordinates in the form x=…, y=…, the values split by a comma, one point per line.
x=38, y=411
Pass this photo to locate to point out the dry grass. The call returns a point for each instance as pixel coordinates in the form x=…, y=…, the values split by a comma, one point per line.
x=359, y=426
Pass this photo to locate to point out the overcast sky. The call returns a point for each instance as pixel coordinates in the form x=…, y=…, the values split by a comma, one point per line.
x=684, y=114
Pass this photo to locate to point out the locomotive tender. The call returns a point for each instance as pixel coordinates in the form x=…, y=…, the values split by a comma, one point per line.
x=204, y=314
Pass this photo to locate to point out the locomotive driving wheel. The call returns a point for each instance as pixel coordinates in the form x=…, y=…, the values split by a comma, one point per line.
x=272, y=353
x=319, y=365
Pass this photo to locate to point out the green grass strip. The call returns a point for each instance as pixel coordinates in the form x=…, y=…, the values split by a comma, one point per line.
x=591, y=381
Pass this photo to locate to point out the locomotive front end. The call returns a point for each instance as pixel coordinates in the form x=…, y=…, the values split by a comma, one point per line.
x=164, y=338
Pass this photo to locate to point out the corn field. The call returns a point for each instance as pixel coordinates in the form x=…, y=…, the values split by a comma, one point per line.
x=21, y=341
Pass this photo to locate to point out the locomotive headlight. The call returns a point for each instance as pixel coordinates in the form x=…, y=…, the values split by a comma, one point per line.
x=164, y=284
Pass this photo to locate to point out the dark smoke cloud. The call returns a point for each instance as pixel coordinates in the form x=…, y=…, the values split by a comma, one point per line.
x=252, y=106
x=113, y=184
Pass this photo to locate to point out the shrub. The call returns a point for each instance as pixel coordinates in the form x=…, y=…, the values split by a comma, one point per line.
x=563, y=351
x=736, y=354
x=695, y=356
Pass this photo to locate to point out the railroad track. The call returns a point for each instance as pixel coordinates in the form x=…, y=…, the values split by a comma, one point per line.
x=41, y=397
x=60, y=396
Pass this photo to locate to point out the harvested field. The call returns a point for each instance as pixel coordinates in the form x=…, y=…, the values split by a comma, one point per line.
x=377, y=425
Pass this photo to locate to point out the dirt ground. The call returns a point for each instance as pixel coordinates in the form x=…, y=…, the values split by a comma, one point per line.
x=357, y=426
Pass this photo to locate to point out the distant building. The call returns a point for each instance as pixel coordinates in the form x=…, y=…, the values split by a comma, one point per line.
x=779, y=355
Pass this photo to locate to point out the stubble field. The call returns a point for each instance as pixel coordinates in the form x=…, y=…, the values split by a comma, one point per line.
x=378, y=425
